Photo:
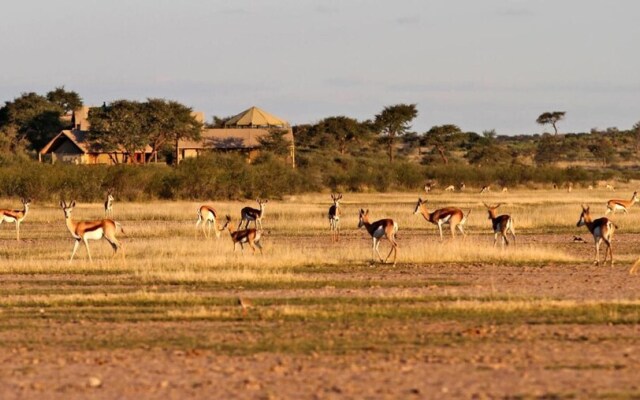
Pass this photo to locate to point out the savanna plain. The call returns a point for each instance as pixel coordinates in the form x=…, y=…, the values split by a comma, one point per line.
x=453, y=319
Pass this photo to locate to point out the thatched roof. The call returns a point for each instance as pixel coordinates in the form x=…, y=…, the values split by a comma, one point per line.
x=230, y=139
x=255, y=117
x=79, y=139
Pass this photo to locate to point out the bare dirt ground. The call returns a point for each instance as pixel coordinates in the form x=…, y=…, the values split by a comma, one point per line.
x=87, y=350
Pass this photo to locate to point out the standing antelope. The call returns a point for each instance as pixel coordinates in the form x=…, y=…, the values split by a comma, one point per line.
x=428, y=187
x=505, y=189
x=462, y=186
x=207, y=216
x=624, y=205
x=108, y=204
x=452, y=216
x=253, y=214
x=610, y=187
x=334, y=217
x=90, y=230
x=379, y=229
x=485, y=189
x=16, y=216
x=501, y=224
x=449, y=188
x=602, y=230
x=569, y=187
x=250, y=236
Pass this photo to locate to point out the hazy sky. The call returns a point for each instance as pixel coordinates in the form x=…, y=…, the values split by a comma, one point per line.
x=480, y=64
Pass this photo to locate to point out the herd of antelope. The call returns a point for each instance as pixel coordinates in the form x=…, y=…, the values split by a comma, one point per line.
x=602, y=228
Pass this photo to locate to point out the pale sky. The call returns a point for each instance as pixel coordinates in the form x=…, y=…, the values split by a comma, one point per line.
x=480, y=64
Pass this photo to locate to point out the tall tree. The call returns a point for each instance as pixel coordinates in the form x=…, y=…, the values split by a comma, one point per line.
x=167, y=122
x=31, y=117
x=119, y=125
x=440, y=137
x=340, y=133
x=551, y=118
x=67, y=100
x=394, y=121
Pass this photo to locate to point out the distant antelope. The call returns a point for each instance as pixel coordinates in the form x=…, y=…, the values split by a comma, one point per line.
x=555, y=186
x=90, y=230
x=569, y=187
x=450, y=188
x=590, y=187
x=452, y=216
x=624, y=205
x=462, y=186
x=485, y=189
x=16, y=216
x=602, y=230
x=249, y=214
x=501, y=224
x=505, y=189
x=207, y=215
x=428, y=187
x=249, y=236
x=108, y=204
x=334, y=217
x=610, y=187
x=634, y=268
x=379, y=229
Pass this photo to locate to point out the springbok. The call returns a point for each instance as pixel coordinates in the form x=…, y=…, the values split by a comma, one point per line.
x=249, y=214
x=90, y=230
x=505, y=189
x=501, y=224
x=610, y=187
x=108, y=204
x=602, y=230
x=615, y=204
x=16, y=216
x=207, y=216
x=485, y=189
x=249, y=236
x=334, y=217
x=452, y=216
x=379, y=229
x=634, y=268
x=449, y=188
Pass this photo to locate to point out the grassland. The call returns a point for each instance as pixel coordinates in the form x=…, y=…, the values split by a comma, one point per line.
x=457, y=318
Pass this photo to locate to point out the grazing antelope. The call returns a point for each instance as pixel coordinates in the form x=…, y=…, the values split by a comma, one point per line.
x=602, y=230
x=590, y=187
x=624, y=205
x=16, y=216
x=452, y=216
x=485, y=189
x=249, y=236
x=610, y=187
x=207, y=216
x=449, y=188
x=253, y=214
x=379, y=229
x=334, y=217
x=462, y=186
x=108, y=204
x=91, y=230
x=501, y=224
x=505, y=189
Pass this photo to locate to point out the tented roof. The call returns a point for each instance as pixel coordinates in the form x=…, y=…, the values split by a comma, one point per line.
x=231, y=138
x=254, y=117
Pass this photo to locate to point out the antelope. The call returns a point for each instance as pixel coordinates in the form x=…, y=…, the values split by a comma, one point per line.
x=590, y=187
x=207, y=216
x=90, y=230
x=449, y=188
x=634, y=268
x=16, y=216
x=253, y=214
x=505, y=189
x=428, y=187
x=249, y=236
x=485, y=189
x=610, y=187
x=569, y=187
x=108, y=204
x=334, y=217
x=501, y=224
x=624, y=205
x=452, y=216
x=602, y=230
x=462, y=186
x=379, y=229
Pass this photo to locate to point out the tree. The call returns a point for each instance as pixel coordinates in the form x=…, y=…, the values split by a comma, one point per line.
x=551, y=118
x=394, y=121
x=119, y=125
x=30, y=117
x=340, y=133
x=548, y=150
x=603, y=150
x=488, y=151
x=67, y=101
x=168, y=122
x=440, y=138
x=636, y=130
x=275, y=142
